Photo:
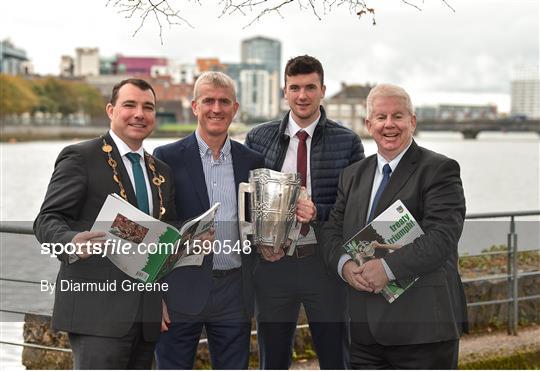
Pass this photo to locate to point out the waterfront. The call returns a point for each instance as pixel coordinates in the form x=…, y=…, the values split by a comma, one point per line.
x=500, y=172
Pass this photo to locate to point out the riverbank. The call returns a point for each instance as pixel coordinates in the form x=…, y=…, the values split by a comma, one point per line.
x=28, y=133
x=496, y=350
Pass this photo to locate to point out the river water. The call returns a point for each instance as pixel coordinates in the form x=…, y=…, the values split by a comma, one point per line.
x=500, y=172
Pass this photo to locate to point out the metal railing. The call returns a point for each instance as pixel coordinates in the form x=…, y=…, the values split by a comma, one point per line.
x=512, y=276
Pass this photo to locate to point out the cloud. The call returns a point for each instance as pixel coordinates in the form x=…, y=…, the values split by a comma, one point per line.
x=436, y=50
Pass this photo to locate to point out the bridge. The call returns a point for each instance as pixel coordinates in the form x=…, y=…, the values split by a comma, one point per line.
x=471, y=128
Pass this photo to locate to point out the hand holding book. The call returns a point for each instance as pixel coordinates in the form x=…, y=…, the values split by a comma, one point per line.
x=372, y=271
x=393, y=228
x=353, y=275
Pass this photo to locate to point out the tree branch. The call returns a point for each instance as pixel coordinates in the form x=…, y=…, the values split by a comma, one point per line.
x=164, y=13
x=160, y=10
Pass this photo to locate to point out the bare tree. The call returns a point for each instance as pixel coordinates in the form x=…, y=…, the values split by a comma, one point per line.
x=165, y=14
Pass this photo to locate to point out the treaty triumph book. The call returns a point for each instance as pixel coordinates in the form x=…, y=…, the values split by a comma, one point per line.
x=393, y=228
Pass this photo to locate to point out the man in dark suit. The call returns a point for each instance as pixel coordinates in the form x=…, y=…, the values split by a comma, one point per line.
x=307, y=142
x=208, y=167
x=107, y=329
x=421, y=329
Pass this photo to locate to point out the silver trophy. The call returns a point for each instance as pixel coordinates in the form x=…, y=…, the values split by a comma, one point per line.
x=273, y=198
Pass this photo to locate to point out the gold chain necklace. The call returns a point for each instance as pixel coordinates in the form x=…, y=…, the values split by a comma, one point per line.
x=157, y=178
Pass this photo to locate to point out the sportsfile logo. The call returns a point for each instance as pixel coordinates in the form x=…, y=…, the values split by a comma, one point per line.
x=108, y=247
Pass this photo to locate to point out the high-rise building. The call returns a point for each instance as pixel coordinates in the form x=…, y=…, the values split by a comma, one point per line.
x=262, y=50
x=266, y=53
x=255, y=98
x=525, y=94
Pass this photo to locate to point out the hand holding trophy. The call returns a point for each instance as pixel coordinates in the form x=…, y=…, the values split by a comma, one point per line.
x=273, y=197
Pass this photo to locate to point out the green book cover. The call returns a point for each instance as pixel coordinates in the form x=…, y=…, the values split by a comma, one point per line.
x=393, y=228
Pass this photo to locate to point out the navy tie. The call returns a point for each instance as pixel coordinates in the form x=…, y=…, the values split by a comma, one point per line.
x=140, y=183
x=386, y=178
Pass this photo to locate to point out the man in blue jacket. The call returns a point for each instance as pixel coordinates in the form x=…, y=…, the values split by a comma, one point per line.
x=208, y=167
x=309, y=143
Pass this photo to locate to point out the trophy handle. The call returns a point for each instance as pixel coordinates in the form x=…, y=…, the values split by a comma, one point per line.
x=294, y=234
x=245, y=226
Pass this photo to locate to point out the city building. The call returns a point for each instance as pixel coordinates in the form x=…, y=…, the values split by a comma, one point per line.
x=265, y=52
x=348, y=106
x=173, y=100
x=86, y=62
x=141, y=66
x=525, y=93
x=257, y=77
x=208, y=64
x=105, y=83
x=185, y=73
x=108, y=66
x=67, y=66
x=457, y=112
x=255, y=95
x=252, y=91
x=465, y=112
x=180, y=73
x=14, y=60
x=262, y=50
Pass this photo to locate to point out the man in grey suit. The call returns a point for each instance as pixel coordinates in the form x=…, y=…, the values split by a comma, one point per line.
x=421, y=329
x=108, y=328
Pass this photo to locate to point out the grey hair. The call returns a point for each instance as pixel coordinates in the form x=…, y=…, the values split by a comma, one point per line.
x=216, y=79
x=388, y=90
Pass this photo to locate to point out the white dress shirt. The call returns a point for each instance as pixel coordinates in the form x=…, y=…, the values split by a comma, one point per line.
x=290, y=163
x=124, y=149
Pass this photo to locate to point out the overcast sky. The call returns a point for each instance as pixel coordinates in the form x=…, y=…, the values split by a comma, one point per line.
x=440, y=56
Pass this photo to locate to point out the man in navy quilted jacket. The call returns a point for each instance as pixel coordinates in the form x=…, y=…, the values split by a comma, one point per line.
x=309, y=143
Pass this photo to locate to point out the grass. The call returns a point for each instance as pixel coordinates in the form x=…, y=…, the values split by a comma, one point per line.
x=173, y=128
x=177, y=128
x=518, y=361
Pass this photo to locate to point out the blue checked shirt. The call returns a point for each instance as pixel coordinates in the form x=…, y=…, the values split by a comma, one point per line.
x=219, y=178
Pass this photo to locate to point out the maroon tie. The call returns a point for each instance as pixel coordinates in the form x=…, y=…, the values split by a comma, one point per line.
x=301, y=167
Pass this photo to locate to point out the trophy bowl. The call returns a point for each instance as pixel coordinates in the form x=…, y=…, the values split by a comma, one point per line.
x=273, y=196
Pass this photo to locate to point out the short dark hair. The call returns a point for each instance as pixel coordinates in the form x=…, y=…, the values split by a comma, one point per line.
x=303, y=65
x=141, y=84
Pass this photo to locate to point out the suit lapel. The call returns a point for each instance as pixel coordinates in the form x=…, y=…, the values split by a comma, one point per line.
x=404, y=170
x=240, y=166
x=124, y=177
x=193, y=163
x=364, y=189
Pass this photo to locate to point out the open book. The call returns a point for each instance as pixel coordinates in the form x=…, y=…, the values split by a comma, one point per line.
x=389, y=231
x=146, y=248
